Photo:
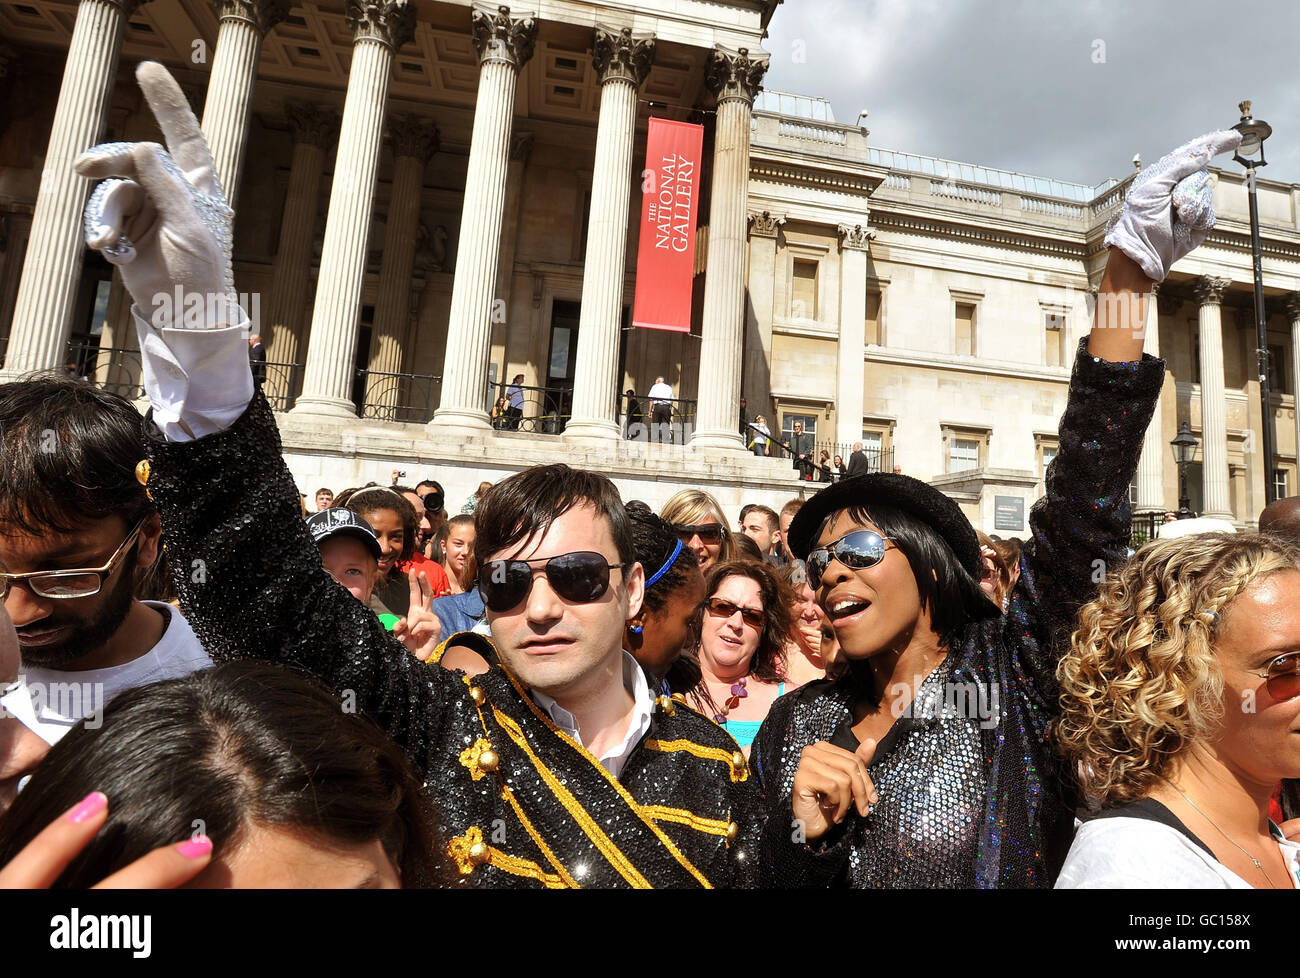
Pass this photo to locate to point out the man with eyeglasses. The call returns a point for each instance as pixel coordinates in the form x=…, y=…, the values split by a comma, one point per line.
x=552, y=768
x=75, y=528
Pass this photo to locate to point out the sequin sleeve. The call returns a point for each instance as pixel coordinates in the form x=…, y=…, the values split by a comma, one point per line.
x=251, y=583
x=1080, y=528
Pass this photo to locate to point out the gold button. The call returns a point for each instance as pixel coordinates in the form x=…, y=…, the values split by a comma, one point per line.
x=679, y=697
x=488, y=760
x=738, y=760
x=142, y=472
x=667, y=706
x=478, y=853
x=476, y=695
x=733, y=830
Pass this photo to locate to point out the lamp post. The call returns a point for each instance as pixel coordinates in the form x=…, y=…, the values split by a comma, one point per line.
x=1184, y=445
x=1250, y=154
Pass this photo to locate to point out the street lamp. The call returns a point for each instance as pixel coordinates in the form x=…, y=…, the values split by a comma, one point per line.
x=1250, y=154
x=1184, y=445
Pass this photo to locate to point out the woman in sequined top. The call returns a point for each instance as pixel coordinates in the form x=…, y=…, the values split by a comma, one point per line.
x=929, y=765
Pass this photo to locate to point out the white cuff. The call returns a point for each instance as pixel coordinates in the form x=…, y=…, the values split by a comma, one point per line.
x=198, y=380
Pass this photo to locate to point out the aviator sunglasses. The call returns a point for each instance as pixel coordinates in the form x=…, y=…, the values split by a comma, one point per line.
x=707, y=532
x=1283, y=675
x=857, y=550
x=722, y=608
x=580, y=577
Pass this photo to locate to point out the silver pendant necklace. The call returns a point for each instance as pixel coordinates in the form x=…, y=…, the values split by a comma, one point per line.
x=1258, y=864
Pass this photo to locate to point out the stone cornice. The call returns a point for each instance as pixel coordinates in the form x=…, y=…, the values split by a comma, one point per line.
x=972, y=365
x=620, y=55
x=766, y=224
x=734, y=74
x=836, y=181
x=500, y=36
x=1208, y=290
x=855, y=237
x=391, y=22
x=312, y=124
x=883, y=219
x=262, y=14
x=414, y=136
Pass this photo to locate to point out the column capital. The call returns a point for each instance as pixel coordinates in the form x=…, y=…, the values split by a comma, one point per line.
x=1209, y=290
x=855, y=238
x=315, y=125
x=733, y=74
x=262, y=14
x=414, y=136
x=620, y=55
x=128, y=7
x=500, y=36
x=1291, y=304
x=521, y=144
x=391, y=22
x=766, y=224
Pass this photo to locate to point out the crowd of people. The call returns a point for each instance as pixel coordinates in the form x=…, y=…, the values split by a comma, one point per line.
x=558, y=687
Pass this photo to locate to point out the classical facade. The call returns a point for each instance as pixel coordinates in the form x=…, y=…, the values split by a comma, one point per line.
x=434, y=197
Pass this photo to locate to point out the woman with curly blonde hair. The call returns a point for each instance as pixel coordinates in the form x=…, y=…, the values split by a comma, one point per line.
x=1180, y=710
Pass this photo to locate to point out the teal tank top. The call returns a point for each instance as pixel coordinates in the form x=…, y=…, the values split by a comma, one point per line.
x=746, y=730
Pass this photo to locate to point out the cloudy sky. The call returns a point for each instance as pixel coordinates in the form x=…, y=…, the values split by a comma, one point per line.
x=1069, y=89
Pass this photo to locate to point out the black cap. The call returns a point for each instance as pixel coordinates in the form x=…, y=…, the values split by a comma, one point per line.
x=912, y=496
x=340, y=521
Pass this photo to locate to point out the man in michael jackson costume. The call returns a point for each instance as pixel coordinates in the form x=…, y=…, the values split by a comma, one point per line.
x=555, y=767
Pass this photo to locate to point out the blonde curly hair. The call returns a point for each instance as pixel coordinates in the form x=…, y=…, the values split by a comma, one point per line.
x=1141, y=683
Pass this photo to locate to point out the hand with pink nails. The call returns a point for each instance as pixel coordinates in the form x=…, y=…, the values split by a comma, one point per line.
x=45, y=858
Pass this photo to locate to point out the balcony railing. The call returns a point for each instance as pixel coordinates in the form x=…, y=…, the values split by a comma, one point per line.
x=114, y=369
x=407, y=398
x=672, y=426
x=280, y=383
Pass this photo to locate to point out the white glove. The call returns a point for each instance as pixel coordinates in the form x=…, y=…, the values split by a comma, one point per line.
x=1169, y=209
x=164, y=222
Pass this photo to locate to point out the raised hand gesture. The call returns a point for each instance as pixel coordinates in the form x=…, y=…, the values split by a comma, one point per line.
x=161, y=216
x=420, y=631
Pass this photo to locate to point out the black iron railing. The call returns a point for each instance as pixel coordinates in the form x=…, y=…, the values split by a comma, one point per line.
x=114, y=369
x=409, y=398
x=540, y=410
x=661, y=420
x=280, y=382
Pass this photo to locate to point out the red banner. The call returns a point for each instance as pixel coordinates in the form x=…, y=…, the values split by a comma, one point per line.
x=665, y=260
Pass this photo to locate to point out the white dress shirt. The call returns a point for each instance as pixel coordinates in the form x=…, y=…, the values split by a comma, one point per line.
x=661, y=393
x=643, y=703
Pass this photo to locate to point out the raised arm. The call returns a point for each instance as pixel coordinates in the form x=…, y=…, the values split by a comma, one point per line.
x=1081, y=527
x=248, y=574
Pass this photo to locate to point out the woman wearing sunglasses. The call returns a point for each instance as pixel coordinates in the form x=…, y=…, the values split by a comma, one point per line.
x=746, y=620
x=701, y=526
x=1180, y=708
x=929, y=764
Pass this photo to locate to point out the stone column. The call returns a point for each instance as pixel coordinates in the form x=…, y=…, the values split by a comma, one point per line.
x=314, y=131
x=763, y=231
x=1214, y=427
x=379, y=29
x=734, y=79
x=1151, y=471
x=504, y=44
x=55, y=245
x=853, y=329
x=1292, y=306
x=230, y=86
x=415, y=140
x=622, y=61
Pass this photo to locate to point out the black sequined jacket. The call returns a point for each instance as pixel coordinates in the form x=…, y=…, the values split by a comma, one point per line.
x=1010, y=800
x=518, y=803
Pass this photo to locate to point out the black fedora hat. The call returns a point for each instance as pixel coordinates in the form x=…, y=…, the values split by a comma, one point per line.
x=914, y=497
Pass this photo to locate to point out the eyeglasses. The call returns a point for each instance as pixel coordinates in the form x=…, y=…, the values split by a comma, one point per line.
x=580, y=577
x=1283, y=675
x=722, y=608
x=65, y=584
x=707, y=532
x=856, y=550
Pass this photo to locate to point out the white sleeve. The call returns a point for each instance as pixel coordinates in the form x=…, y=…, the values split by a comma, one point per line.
x=198, y=380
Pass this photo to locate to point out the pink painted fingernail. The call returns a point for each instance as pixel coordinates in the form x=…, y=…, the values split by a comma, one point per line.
x=91, y=805
x=196, y=847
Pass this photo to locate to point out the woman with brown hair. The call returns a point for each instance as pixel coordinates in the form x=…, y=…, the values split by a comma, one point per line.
x=744, y=623
x=1180, y=711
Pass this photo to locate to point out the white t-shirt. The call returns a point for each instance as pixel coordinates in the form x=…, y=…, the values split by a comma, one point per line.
x=51, y=702
x=661, y=392
x=1123, y=853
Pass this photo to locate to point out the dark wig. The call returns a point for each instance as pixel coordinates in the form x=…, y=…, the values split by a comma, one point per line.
x=945, y=589
x=374, y=497
x=244, y=744
x=68, y=452
x=526, y=504
x=654, y=540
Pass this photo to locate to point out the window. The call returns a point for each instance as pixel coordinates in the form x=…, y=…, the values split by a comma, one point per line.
x=1133, y=493
x=873, y=445
x=872, y=333
x=1049, y=455
x=1280, y=484
x=963, y=454
x=787, y=425
x=1055, y=324
x=803, y=295
x=965, y=344
x=1277, y=370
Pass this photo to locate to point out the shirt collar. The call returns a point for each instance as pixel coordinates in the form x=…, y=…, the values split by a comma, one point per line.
x=634, y=682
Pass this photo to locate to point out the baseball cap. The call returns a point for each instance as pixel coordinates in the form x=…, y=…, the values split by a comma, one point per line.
x=332, y=522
